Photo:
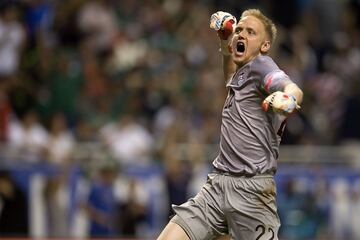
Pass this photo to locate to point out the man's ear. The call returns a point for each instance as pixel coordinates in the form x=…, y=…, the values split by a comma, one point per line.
x=265, y=47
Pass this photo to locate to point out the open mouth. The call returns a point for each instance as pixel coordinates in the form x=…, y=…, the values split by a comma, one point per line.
x=240, y=47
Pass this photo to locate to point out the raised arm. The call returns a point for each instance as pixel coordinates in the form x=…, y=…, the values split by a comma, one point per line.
x=224, y=23
x=229, y=67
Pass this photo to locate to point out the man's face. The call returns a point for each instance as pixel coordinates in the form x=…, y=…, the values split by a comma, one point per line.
x=249, y=40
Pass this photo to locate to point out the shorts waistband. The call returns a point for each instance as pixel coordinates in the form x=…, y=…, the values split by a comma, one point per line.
x=243, y=174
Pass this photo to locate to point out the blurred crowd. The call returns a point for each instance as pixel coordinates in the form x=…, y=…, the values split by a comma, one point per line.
x=141, y=78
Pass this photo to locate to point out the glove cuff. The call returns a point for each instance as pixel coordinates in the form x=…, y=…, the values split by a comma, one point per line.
x=292, y=97
x=295, y=100
x=224, y=48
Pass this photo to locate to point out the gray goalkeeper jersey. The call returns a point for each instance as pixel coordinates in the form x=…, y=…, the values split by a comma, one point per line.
x=250, y=137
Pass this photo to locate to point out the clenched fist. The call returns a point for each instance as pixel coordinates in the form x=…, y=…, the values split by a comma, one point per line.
x=224, y=24
x=281, y=103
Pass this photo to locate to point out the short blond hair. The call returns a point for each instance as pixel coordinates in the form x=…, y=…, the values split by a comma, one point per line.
x=270, y=27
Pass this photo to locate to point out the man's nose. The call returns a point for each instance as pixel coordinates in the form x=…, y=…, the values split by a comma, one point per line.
x=242, y=35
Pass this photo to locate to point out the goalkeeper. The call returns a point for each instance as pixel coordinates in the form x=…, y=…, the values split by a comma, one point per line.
x=239, y=197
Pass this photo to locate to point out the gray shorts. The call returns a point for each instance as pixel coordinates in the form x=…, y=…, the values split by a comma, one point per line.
x=243, y=207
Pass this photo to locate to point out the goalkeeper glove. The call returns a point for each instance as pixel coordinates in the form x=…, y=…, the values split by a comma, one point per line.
x=224, y=24
x=281, y=103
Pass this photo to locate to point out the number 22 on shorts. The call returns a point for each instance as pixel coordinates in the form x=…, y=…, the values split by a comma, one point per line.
x=262, y=231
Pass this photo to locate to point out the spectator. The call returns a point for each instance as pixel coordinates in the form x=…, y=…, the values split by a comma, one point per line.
x=5, y=113
x=355, y=210
x=64, y=84
x=97, y=22
x=340, y=210
x=14, y=209
x=60, y=143
x=39, y=15
x=133, y=207
x=298, y=212
x=57, y=200
x=129, y=142
x=28, y=137
x=102, y=204
x=12, y=38
x=177, y=179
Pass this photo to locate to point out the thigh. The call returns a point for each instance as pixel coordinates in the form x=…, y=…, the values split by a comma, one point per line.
x=173, y=231
x=252, y=209
x=202, y=217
